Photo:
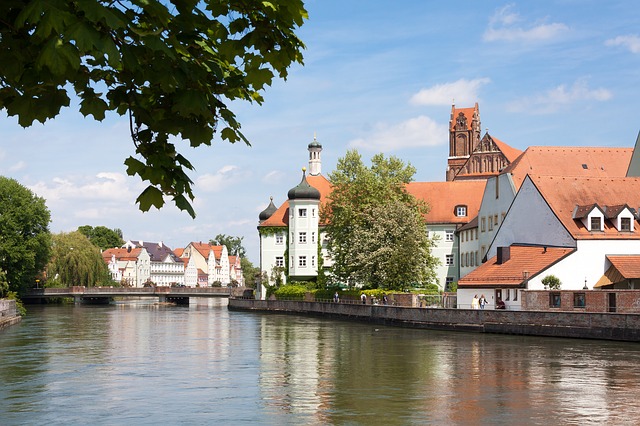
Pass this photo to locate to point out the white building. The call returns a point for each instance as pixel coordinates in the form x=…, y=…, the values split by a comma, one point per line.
x=128, y=265
x=166, y=268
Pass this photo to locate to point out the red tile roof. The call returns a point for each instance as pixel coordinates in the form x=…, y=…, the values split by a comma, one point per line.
x=563, y=194
x=468, y=113
x=570, y=161
x=443, y=197
x=509, y=152
x=121, y=254
x=523, y=260
x=627, y=265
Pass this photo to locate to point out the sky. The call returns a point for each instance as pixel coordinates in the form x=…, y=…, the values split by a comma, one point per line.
x=379, y=77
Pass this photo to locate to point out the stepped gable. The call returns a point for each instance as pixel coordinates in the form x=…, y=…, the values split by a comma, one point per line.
x=570, y=161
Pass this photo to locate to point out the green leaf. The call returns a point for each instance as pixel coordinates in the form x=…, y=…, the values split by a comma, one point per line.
x=151, y=196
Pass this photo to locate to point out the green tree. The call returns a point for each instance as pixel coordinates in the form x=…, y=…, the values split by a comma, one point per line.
x=552, y=282
x=76, y=261
x=4, y=284
x=170, y=66
x=102, y=237
x=25, y=240
x=234, y=244
x=249, y=272
x=376, y=229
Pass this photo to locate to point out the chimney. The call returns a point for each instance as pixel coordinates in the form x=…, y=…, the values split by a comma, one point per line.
x=504, y=254
x=525, y=275
x=160, y=244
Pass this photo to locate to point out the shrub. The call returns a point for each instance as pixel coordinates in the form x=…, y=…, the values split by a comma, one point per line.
x=291, y=292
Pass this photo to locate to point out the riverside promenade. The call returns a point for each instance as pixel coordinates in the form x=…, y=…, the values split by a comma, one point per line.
x=584, y=325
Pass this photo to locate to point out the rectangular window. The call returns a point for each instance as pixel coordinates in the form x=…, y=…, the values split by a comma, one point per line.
x=466, y=259
x=279, y=261
x=507, y=294
x=279, y=238
x=313, y=212
x=483, y=224
x=578, y=300
x=313, y=237
x=482, y=253
x=302, y=261
x=595, y=223
x=625, y=224
x=302, y=212
x=554, y=300
x=313, y=261
x=448, y=260
x=490, y=224
x=515, y=294
x=447, y=283
x=495, y=220
x=477, y=259
x=461, y=211
x=448, y=235
x=302, y=238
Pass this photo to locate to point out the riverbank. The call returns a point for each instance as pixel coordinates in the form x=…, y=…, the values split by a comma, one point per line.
x=583, y=325
x=8, y=313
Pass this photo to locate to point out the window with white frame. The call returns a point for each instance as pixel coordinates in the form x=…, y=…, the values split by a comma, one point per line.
x=302, y=261
x=313, y=261
x=302, y=237
x=313, y=237
x=448, y=236
x=279, y=261
x=483, y=224
x=302, y=212
x=596, y=223
x=279, y=238
x=625, y=224
x=448, y=260
x=461, y=211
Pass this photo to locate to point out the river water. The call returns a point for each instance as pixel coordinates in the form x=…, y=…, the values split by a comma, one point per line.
x=139, y=363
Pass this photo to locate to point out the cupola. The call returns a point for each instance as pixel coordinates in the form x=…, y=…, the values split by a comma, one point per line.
x=268, y=212
x=303, y=190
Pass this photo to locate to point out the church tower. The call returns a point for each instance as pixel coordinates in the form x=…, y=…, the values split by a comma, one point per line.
x=464, y=136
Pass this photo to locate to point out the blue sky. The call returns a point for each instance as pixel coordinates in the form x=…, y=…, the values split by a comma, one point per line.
x=379, y=76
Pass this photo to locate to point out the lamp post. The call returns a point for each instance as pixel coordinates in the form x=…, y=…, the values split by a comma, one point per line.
x=37, y=283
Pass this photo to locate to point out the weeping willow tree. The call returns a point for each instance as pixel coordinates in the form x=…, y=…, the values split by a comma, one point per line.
x=75, y=261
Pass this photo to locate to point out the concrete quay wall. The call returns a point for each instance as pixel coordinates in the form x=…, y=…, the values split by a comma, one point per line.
x=585, y=325
x=8, y=313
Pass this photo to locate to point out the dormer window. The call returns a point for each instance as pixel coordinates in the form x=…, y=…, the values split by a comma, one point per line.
x=625, y=224
x=461, y=211
x=596, y=223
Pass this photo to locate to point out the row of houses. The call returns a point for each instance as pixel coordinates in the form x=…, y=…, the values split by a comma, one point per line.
x=140, y=263
x=504, y=219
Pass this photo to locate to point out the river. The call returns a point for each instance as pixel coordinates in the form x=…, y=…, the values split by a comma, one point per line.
x=140, y=363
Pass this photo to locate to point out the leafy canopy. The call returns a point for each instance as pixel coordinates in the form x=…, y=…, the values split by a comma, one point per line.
x=25, y=240
x=376, y=229
x=76, y=261
x=170, y=66
x=234, y=244
x=102, y=237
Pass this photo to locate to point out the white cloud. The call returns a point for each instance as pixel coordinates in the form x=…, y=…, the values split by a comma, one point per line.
x=412, y=133
x=631, y=42
x=507, y=25
x=462, y=91
x=554, y=99
x=103, y=187
x=273, y=176
x=219, y=180
x=20, y=165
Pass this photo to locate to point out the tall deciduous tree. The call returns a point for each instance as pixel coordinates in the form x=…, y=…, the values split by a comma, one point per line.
x=76, y=261
x=234, y=244
x=25, y=240
x=102, y=237
x=376, y=229
x=170, y=66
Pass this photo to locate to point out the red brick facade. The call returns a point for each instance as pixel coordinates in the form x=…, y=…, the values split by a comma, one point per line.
x=619, y=301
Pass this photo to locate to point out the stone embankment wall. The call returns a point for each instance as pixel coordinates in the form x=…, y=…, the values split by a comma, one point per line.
x=587, y=325
x=8, y=313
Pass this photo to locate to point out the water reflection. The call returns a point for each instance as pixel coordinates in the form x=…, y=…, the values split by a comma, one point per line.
x=146, y=363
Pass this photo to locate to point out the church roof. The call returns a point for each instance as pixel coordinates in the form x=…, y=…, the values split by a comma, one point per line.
x=509, y=152
x=468, y=114
x=570, y=161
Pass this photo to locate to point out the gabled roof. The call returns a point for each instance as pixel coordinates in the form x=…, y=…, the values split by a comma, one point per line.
x=570, y=161
x=123, y=254
x=158, y=252
x=471, y=225
x=623, y=267
x=468, y=114
x=509, y=152
x=563, y=194
x=178, y=251
x=202, y=248
x=444, y=197
x=524, y=262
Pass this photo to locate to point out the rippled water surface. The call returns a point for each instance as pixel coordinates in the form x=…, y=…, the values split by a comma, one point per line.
x=140, y=363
